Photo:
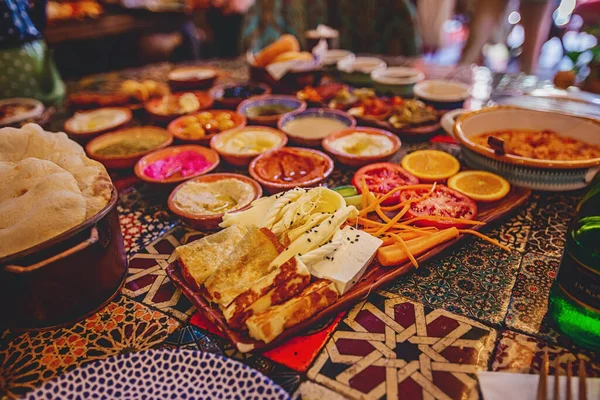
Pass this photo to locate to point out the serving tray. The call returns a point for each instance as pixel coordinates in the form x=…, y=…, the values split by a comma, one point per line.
x=374, y=277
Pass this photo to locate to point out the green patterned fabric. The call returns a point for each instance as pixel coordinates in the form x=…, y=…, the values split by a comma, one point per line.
x=28, y=71
x=366, y=26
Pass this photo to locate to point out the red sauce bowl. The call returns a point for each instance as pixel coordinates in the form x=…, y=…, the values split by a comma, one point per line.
x=211, y=156
x=152, y=106
x=290, y=154
x=176, y=125
x=212, y=221
x=353, y=160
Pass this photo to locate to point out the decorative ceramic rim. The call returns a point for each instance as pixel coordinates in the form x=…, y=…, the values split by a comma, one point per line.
x=381, y=75
x=396, y=143
x=295, y=151
x=318, y=112
x=421, y=92
x=517, y=160
x=124, y=132
x=202, y=150
x=127, y=117
x=282, y=142
x=212, y=178
x=37, y=111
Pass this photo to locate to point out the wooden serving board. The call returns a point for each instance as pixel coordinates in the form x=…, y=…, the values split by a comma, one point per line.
x=374, y=277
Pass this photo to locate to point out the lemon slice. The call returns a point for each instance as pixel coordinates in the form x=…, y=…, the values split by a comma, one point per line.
x=480, y=185
x=431, y=165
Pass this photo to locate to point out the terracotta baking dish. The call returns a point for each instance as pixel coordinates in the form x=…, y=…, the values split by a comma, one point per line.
x=66, y=278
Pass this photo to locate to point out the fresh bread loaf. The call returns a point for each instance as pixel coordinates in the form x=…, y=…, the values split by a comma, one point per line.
x=284, y=44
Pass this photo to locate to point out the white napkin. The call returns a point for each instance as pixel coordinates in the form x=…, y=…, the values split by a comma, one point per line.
x=504, y=385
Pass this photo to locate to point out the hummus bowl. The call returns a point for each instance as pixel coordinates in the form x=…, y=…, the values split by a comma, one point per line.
x=537, y=174
x=238, y=147
x=202, y=202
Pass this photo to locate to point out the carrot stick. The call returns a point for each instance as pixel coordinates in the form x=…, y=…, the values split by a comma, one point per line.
x=406, y=250
x=393, y=220
x=381, y=199
x=484, y=237
x=396, y=255
x=443, y=219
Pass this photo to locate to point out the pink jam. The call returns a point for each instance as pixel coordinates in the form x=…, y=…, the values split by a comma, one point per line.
x=185, y=163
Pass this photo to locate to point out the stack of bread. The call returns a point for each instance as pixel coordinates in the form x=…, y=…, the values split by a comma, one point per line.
x=47, y=186
x=286, y=48
x=280, y=262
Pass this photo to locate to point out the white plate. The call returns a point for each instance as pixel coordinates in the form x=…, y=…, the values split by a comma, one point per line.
x=162, y=374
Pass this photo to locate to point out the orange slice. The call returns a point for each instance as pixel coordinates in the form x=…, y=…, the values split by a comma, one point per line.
x=480, y=185
x=431, y=165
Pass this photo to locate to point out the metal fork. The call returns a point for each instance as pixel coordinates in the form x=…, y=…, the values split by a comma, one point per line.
x=542, y=391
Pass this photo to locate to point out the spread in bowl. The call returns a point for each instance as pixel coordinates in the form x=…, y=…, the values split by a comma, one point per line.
x=176, y=164
x=98, y=120
x=362, y=144
x=239, y=147
x=310, y=126
x=359, y=146
x=289, y=167
x=202, y=201
x=210, y=198
x=185, y=163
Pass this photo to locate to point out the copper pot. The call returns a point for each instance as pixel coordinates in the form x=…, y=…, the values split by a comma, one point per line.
x=66, y=278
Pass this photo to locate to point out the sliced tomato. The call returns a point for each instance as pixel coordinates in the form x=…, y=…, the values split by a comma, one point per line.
x=443, y=202
x=383, y=177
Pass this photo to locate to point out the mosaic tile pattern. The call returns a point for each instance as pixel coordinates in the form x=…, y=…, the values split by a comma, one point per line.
x=474, y=280
x=397, y=348
x=550, y=220
x=520, y=353
x=529, y=302
x=123, y=326
x=147, y=280
x=514, y=232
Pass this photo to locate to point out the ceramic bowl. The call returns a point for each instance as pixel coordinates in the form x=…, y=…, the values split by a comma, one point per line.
x=136, y=133
x=327, y=113
x=442, y=94
x=296, y=152
x=218, y=142
x=290, y=102
x=176, y=125
x=231, y=103
x=211, y=222
x=187, y=78
x=536, y=174
x=211, y=156
x=32, y=109
x=120, y=117
x=396, y=81
x=357, y=71
x=333, y=56
x=152, y=109
x=353, y=160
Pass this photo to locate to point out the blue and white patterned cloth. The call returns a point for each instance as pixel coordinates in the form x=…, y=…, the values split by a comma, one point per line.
x=17, y=22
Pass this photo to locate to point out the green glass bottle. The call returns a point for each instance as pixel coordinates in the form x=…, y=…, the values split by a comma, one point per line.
x=575, y=296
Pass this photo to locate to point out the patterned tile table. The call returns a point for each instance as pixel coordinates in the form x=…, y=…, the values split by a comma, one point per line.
x=424, y=336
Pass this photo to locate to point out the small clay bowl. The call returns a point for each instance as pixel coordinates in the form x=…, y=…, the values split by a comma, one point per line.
x=217, y=143
x=290, y=102
x=211, y=222
x=175, y=126
x=193, y=77
x=122, y=117
x=327, y=113
x=140, y=167
x=151, y=106
x=353, y=160
x=231, y=103
x=136, y=133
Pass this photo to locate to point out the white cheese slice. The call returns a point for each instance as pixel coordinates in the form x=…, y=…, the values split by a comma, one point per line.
x=250, y=217
x=345, y=266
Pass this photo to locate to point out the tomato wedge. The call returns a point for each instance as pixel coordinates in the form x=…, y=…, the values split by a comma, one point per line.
x=443, y=202
x=383, y=177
